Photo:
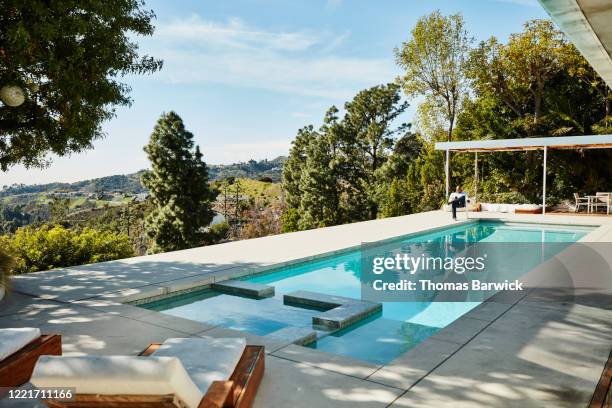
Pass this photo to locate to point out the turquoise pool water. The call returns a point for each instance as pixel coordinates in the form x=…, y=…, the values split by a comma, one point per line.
x=380, y=338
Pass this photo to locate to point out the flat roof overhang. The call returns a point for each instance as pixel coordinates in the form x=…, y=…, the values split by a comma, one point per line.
x=532, y=143
x=588, y=25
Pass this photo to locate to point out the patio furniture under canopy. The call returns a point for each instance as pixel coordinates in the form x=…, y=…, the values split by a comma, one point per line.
x=522, y=144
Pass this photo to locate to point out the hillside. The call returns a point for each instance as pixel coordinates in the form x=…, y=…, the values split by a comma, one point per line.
x=130, y=183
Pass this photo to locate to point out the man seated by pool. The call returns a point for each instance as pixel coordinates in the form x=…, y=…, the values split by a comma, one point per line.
x=457, y=200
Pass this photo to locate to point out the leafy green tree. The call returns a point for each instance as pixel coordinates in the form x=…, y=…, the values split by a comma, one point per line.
x=332, y=175
x=520, y=71
x=397, y=200
x=434, y=63
x=370, y=129
x=535, y=84
x=405, y=150
x=178, y=187
x=48, y=247
x=67, y=57
x=425, y=181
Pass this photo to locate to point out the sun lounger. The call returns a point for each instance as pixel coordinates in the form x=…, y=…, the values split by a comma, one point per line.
x=191, y=373
x=20, y=349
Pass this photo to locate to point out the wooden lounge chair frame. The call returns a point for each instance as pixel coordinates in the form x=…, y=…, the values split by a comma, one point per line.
x=237, y=392
x=531, y=211
x=16, y=369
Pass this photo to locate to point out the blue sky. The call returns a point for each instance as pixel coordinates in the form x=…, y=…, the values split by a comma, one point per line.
x=246, y=74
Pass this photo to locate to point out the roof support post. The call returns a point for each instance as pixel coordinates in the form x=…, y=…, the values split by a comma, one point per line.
x=475, y=177
x=544, y=181
x=447, y=173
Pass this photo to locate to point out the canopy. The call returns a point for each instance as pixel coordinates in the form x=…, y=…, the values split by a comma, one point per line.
x=530, y=143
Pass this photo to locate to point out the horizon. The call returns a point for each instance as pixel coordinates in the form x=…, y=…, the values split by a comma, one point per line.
x=3, y=186
x=245, y=79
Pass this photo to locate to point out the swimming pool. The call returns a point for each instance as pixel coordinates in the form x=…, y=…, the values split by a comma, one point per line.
x=381, y=337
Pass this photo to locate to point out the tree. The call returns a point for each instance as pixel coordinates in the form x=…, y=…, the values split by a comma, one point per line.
x=290, y=220
x=6, y=268
x=67, y=57
x=292, y=169
x=321, y=181
x=397, y=199
x=178, y=187
x=405, y=151
x=58, y=210
x=369, y=125
x=534, y=84
x=332, y=175
x=520, y=71
x=318, y=184
x=434, y=63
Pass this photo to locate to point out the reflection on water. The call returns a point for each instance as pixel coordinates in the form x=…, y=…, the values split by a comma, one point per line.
x=379, y=339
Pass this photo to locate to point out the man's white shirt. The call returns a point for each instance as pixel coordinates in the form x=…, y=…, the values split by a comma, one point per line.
x=455, y=196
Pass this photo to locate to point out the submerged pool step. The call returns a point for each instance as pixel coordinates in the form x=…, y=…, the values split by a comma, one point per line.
x=294, y=335
x=346, y=314
x=244, y=288
x=342, y=311
x=315, y=299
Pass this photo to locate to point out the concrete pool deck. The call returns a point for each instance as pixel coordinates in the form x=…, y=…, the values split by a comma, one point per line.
x=545, y=347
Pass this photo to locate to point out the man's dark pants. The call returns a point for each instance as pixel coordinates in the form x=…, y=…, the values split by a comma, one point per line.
x=457, y=203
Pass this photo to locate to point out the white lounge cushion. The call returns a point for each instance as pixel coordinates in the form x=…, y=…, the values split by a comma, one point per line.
x=12, y=340
x=205, y=359
x=449, y=208
x=108, y=375
x=527, y=207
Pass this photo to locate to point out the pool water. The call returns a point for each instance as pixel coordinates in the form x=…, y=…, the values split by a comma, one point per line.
x=378, y=339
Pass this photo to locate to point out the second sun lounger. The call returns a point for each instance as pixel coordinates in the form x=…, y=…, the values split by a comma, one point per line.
x=193, y=373
x=20, y=349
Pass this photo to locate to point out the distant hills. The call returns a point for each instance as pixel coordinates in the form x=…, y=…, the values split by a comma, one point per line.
x=252, y=169
x=130, y=183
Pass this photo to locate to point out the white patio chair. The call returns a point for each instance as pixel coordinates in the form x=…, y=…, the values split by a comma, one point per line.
x=602, y=200
x=607, y=198
x=580, y=201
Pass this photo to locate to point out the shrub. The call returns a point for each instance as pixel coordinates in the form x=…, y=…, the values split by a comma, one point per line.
x=397, y=202
x=217, y=233
x=6, y=266
x=290, y=220
x=49, y=247
x=511, y=197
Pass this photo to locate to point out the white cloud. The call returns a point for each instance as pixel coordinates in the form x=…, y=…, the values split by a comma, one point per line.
x=235, y=34
x=233, y=53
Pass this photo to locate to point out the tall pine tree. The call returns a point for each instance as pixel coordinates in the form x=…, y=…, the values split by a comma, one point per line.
x=292, y=169
x=319, y=200
x=178, y=187
x=370, y=131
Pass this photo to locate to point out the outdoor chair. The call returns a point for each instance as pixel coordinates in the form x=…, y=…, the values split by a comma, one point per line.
x=20, y=349
x=190, y=372
x=580, y=201
x=600, y=200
